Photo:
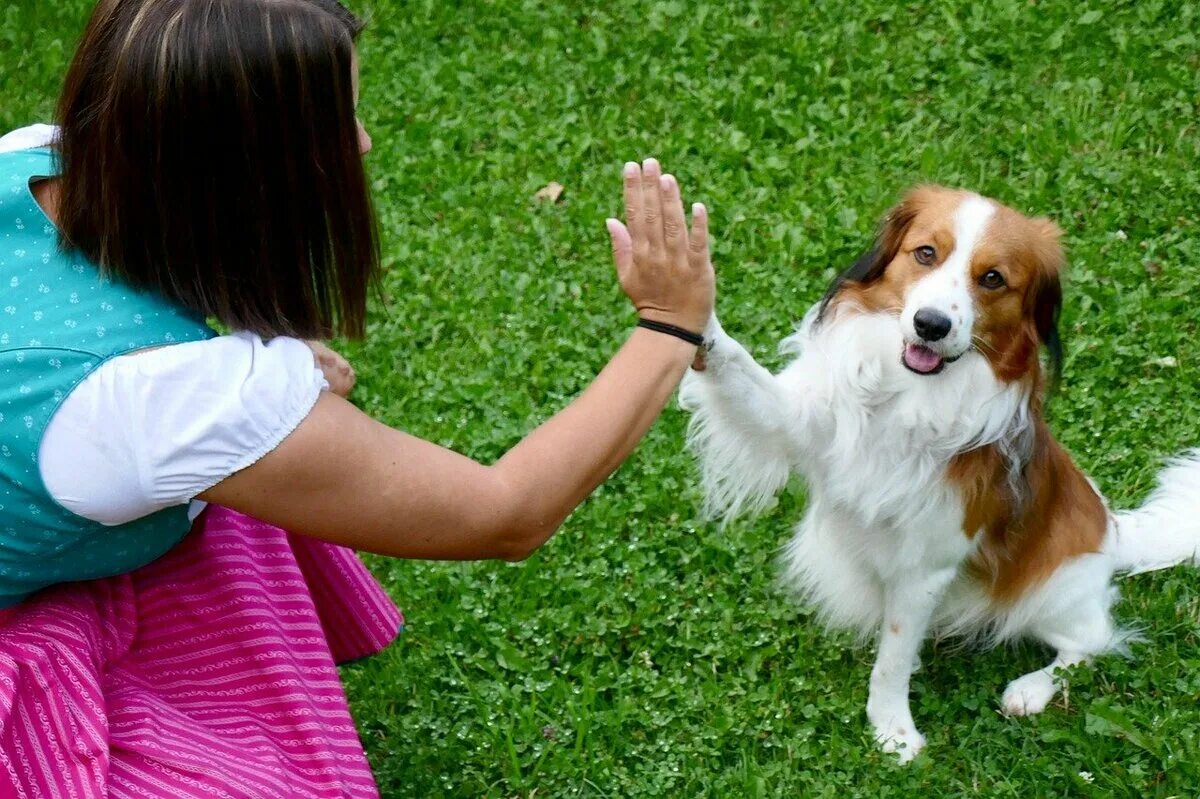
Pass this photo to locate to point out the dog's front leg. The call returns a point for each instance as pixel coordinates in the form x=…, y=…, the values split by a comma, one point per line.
x=908, y=607
x=743, y=427
x=732, y=380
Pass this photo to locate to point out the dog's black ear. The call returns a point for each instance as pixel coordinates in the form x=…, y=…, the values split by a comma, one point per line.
x=1047, y=295
x=871, y=265
x=867, y=269
x=1046, y=312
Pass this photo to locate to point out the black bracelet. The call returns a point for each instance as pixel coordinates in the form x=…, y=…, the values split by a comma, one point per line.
x=695, y=339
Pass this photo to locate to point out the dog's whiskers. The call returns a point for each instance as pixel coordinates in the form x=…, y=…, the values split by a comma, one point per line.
x=981, y=345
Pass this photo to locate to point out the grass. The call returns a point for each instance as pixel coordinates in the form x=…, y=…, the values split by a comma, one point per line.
x=645, y=652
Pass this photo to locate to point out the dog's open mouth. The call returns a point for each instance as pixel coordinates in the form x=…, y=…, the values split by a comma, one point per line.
x=922, y=360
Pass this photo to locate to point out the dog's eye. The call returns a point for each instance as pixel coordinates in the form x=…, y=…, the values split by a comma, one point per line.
x=991, y=279
x=925, y=255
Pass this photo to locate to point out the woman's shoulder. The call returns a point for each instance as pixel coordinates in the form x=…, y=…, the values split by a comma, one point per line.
x=28, y=138
x=242, y=356
x=178, y=419
x=23, y=153
x=238, y=382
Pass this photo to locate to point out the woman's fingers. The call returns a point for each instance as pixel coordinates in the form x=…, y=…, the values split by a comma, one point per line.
x=337, y=370
x=622, y=246
x=662, y=268
x=654, y=213
x=674, y=226
x=697, y=244
x=652, y=205
x=632, y=175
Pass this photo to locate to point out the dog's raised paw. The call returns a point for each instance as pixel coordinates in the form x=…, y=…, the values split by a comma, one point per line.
x=1029, y=694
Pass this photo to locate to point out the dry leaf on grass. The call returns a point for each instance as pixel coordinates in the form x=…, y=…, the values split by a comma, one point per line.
x=550, y=192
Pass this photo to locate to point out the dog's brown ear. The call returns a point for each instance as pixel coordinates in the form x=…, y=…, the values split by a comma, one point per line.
x=1045, y=297
x=870, y=265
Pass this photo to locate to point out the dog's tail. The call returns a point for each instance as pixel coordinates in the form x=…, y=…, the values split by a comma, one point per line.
x=1165, y=531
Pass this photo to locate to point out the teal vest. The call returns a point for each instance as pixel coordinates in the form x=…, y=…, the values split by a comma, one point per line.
x=59, y=320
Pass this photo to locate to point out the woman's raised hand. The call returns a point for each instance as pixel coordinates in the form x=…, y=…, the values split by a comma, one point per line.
x=664, y=269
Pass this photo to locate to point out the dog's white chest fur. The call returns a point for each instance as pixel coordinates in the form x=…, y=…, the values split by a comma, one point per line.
x=873, y=442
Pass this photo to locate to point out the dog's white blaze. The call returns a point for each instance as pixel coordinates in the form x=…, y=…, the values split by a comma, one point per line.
x=948, y=288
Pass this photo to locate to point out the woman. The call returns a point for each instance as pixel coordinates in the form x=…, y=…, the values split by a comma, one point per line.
x=209, y=165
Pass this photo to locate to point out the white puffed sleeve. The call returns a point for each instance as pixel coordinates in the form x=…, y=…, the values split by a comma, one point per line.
x=155, y=429
x=27, y=137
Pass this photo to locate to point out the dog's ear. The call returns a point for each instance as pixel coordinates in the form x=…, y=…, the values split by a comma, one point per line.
x=1046, y=296
x=870, y=265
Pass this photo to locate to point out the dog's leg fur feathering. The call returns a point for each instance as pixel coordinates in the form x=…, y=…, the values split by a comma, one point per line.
x=740, y=428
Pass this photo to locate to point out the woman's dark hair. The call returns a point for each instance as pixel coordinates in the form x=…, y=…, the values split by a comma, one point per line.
x=209, y=153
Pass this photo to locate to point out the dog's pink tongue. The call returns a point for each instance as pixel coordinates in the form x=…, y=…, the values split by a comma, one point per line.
x=921, y=359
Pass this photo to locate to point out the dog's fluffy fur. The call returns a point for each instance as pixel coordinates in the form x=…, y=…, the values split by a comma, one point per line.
x=938, y=499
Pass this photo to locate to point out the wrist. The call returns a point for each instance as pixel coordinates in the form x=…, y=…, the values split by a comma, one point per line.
x=675, y=350
x=689, y=322
x=688, y=336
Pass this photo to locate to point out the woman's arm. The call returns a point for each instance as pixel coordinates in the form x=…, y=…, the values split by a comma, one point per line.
x=345, y=478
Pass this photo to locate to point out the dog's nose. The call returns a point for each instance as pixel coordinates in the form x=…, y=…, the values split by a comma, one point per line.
x=931, y=325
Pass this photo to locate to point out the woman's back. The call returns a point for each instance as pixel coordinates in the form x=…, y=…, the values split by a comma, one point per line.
x=60, y=321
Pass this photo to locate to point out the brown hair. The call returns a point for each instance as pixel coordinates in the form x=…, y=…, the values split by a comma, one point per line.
x=209, y=153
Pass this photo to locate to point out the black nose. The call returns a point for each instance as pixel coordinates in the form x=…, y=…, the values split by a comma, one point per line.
x=931, y=325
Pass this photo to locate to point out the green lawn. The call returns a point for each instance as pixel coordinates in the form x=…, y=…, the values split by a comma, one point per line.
x=645, y=651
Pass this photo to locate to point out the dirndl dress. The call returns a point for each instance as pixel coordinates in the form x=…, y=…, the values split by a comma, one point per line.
x=210, y=672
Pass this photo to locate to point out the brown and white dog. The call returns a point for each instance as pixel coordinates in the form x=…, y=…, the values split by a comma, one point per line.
x=939, y=501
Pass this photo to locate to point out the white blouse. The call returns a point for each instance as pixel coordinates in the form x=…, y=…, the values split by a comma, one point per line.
x=154, y=429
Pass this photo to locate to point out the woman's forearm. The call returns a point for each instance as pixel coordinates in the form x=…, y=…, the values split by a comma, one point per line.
x=555, y=467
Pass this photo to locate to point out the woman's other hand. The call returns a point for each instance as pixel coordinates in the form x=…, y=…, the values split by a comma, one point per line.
x=337, y=370
x=664, y=270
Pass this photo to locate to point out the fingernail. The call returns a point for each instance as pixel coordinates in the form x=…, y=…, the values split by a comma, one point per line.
x=631, y=168
x=698, y=208
x=649, y=164
x=611, y=224
x=667, y=182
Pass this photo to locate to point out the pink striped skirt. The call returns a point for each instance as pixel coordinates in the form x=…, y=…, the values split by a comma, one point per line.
x=209, y=673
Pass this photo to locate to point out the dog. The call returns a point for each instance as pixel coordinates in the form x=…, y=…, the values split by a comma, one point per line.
x=939, y=501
